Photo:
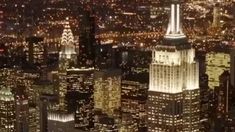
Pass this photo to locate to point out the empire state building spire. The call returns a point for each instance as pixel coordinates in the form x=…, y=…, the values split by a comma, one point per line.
x=174, y=30
x=173, y=96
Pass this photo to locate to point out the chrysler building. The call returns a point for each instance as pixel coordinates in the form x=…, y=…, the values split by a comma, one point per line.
x=68, y=55
x=173, y=101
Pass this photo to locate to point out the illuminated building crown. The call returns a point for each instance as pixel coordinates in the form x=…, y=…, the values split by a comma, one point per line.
x=174, y=30
x=67, y=41
x=6, y=94
x=67, y=35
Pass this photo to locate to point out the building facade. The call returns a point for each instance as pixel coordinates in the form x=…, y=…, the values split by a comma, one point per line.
x=173, y=98
x=7, y=110
x=134, y=102
x=84, y=104
x=107, y=90
x=216, y=63
x=22, y=113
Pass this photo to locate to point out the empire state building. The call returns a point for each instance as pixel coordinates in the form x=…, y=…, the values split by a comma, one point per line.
x=173, y=101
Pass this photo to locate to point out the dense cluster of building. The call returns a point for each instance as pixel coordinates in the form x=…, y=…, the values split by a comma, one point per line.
x=118, y=71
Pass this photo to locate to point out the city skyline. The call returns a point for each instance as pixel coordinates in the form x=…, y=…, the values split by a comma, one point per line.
x=117, y=66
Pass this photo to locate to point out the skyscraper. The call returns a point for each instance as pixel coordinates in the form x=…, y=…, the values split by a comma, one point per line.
x=216, y=63
x=87, y=39
x=67, y=60
x=204, y=102
x=45, y=100
x=68, y=55
x=22, y=111
x=173, y=102
x=224, y=94
x=7, y=110
x=35, y=54
x=216, y=15
x=84, y=114
x=224, y=113
x=134, y=98
x=34, y=123
x=232, y=66
x=107, y=90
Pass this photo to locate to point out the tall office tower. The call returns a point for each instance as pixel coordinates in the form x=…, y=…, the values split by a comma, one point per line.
x=87, y=40
x=232, y=66
x=34, y=124
x=107, y=90
x=7, y=110
x=68, y=55
x=35, y=51
x=22, y=110
x=134, y=101
x=60, y=82
x=45, y=100
x=204, y=103
x=67, y=59
x=84, y=114
x=224, y=94
x=173, y=99
x=216, y=63
x=216, y=15
x=28, y=79
x=224, y=105
x=75, y=79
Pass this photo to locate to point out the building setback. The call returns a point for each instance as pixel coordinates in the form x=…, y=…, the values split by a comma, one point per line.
x=174, y=96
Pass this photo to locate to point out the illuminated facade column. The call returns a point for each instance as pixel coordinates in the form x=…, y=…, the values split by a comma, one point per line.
x=216, y=15
x=107, y=91
x=173, y=101
x=7, y=110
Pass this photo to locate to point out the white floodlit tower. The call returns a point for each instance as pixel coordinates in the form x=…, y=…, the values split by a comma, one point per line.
x=173, y=100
